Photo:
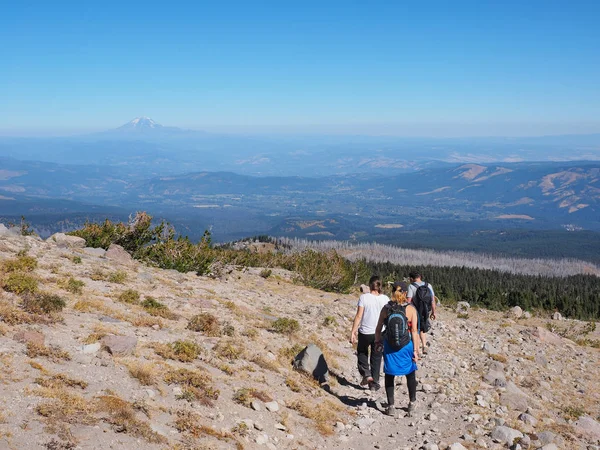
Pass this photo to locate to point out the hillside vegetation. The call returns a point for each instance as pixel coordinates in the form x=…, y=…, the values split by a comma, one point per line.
x=100, y=351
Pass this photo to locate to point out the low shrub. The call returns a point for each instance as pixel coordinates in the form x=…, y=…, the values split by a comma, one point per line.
x=184, y=351
x=72, y=285
x=129, y=296
x=329, y=321
x=205, y=323
x=43, y=303
x=285, y=326
x=76, y=259
x=53, y=353
x=266, y=273
x=228, y=349
x=21, y=263
x=196, y=385
x=156, y=308
x=20, y=283
x=119, y=277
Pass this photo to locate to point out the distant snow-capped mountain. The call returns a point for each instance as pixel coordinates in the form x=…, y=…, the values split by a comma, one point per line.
x=144, y=128
x=141, y=124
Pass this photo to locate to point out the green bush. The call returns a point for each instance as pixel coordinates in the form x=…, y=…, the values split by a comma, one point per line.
x=119, y=277
x=41, y=302
x=130, y=296
x=266, y=273
x=185, y=350
x=285, y=326
x=180, y=254
x=21, y=263
x=73, y=285
x=76, y=259
x=329, y=320
x=156, y=308
x=20, y=283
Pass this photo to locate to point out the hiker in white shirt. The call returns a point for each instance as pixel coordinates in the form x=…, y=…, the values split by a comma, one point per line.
x=363, y=333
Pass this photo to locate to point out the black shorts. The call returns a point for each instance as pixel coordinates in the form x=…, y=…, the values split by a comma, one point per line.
x=423, y=323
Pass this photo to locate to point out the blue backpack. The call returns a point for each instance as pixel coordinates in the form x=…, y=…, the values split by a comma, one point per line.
x=397, y=333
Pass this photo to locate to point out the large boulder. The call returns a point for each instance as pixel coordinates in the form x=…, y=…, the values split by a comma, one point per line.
x=33, y=337
x=119, y=345
x=99, y=252
x=557, y=316
x=119, y=254
x=311, y=361
x=462, y=308
x=588, y=426
x=63, y=240
x=515, y=312
x=514, y=398
x=506, y=435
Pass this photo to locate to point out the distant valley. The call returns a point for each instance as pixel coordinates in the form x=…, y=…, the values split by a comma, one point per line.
x=367, y=189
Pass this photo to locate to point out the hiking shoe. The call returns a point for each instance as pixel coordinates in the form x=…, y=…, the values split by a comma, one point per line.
x=366, y=380
x=411, y=409
x=391, y=411
x=374, y=387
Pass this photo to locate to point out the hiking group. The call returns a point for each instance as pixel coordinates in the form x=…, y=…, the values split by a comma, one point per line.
x=393, y=330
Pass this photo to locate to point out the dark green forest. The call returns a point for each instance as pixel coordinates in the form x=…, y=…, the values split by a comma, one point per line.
x=576, y=297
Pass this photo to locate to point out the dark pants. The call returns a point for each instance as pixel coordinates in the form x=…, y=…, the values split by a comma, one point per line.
x=368, y=366
x=411, y=380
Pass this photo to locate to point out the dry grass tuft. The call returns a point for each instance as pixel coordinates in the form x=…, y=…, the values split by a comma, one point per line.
x=65, y=407
x=145, y=372
x=184, y=351
x=191, y=423
x=205, y=323
x=53, y=353
x=229, y=349
x=12, y=315
x=196, y=385
x=265, y=363
x=59, y=381
x=156, y=308
x=129, y=296
x=324, y=415
x=244, y=396
x=121, y=414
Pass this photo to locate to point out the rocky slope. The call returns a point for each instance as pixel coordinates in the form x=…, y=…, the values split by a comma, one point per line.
x=123, y=367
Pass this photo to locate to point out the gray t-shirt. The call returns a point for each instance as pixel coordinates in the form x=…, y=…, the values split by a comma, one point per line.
x=412, y=290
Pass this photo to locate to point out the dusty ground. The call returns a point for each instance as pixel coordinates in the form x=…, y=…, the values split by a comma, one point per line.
x=483, y=371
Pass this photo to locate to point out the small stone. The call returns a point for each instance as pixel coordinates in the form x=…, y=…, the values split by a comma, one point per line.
x=528, y=419
x=430, y=446
x=457, y=446
x=551, y=446
x=432, y=417
x=258, y=426
x=280, y=426
x=156, y=326
x=177, y=391
x=365, y=423
x=340, y=426
x=557, y=316
x=261, y=439
x=255, y=405
x=272, y=406
x=91, y=348
x=150, y=393
x=515, y=312
x=546, y=437
x=481, y=443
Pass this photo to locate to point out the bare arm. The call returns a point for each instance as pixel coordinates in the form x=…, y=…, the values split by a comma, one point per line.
x=411, y=314
x=382, y=316
x=357, y=319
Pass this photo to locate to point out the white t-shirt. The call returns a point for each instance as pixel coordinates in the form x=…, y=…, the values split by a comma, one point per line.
x=373, y=305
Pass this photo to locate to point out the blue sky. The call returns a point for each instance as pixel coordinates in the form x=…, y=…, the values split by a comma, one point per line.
x=396, y=67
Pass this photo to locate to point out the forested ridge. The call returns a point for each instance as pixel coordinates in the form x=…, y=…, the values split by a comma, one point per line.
x=576, y=296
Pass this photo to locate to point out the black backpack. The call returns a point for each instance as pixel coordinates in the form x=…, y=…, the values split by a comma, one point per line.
x=422, y=300
x=397, y=333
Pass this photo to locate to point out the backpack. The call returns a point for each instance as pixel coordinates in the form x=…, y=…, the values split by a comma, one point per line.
x=422, y=299
x=397, y=333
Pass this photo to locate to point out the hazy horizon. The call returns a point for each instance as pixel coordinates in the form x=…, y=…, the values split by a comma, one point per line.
x=478, y=69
